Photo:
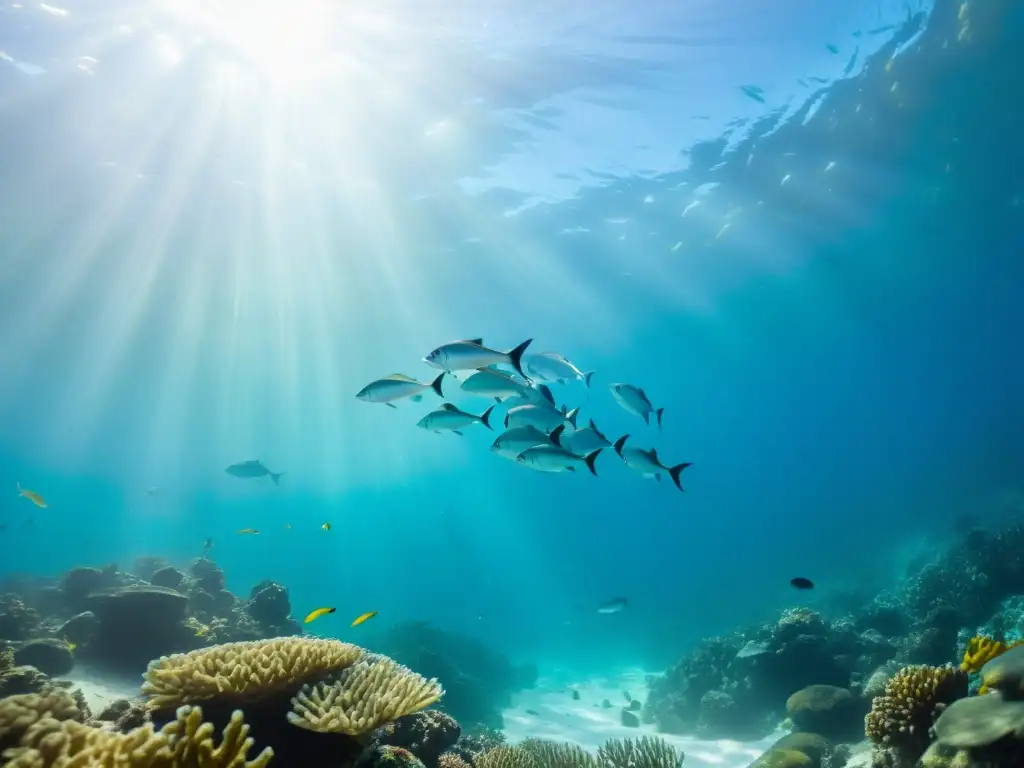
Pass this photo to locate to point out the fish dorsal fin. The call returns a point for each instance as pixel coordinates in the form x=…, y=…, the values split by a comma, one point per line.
x=643, y=394
x=449, y=407
x=399, y=377
x=479, y=342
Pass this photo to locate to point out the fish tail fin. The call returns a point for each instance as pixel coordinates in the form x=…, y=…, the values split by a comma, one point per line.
x=587, y=377
x=677, y=470
x=436, y=384
x=456, y=432
x=659, y=413
x=276, y=477
x=506, y=421
x=485, y=417
x=556, y=435
x=516, y=357
x=619, y=443
x=571, y=416
x=545, y=390
x=590, y=458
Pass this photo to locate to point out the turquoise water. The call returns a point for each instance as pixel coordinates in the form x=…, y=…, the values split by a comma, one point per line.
x=215, y=229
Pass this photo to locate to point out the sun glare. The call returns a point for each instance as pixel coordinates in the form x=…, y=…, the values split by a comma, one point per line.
x=287, y=41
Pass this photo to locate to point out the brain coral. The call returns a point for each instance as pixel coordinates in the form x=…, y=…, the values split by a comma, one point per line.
x=362, y=697
x=902, y=716
x=245, y=670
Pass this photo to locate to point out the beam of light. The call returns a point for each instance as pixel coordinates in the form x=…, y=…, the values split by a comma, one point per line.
x=288, y=41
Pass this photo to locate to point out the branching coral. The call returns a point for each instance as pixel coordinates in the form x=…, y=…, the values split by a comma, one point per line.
x=555, y=754
x=981, y=650
x=506, y=757
x=246, y=670
x=645, y=752
x=19, y=713
x=362, y=697
x=901, y=718
x=187, y=742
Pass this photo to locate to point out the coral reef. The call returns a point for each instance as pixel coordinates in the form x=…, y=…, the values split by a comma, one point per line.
x=427, y=735
x=478, y=683
x=123, y=620
x=645, y=752
x=900, y=720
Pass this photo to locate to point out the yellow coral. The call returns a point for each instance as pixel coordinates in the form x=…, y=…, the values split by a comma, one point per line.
x=916, y=695
x=362, y=697
x=645, y=752
x=21, y=712
x=244, y=671
x=187, y=742
x=981, y=650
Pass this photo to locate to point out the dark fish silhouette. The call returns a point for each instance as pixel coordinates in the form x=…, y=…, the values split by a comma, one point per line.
x=251, y=469
x=801, y=583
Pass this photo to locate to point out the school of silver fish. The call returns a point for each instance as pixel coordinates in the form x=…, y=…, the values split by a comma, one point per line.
x=539, y=433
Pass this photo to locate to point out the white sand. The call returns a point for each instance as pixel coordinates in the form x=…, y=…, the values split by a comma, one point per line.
x=102, y=688
x=587, y=723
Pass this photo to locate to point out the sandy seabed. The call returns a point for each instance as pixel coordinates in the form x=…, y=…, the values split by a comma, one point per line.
x=548, y=711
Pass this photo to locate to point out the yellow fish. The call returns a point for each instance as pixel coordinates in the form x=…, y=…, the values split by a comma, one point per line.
x=313, y=615
x=248, y=530
x=326, y=526
x=71, y=646
x=32, y=496
x=363, y=617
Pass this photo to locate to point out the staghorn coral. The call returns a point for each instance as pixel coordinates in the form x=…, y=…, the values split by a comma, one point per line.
x=246, y=670
x=506, y=757
x=645, y=752
x=362, y=697
x=186, y=742
x=900, y=719
x=555, y=754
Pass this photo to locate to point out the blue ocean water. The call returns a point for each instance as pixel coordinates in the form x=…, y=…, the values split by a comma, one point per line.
x=796, y=228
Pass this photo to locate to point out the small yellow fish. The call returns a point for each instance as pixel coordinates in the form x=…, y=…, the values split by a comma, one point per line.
x=32, y=496
x=326, y=526
x=313, y=615
x=203, y=629
x=248, y=530
x=71, y=646
x=363, y=617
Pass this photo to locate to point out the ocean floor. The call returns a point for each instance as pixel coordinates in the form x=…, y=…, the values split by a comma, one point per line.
x=548, y=711
x=102, y=689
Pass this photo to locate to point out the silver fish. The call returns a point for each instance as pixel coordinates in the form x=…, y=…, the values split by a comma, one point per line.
x=490, y=382
x=551, y=366
x=396, y=387
x=253, y=469
x=543, y=416
x=635, y=400
x=583, y=441
x=448, y=418
x=646, y=462
x=615, y=605
x=467, y=354
x=513, y=442
x=554, y=458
